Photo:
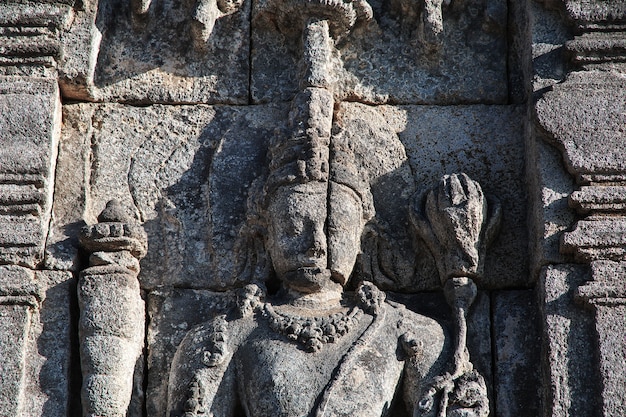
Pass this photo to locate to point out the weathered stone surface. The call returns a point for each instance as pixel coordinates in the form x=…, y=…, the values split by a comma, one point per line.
x=585, y=118
x=597, y=47
x=112, y=313
x=308, y=347
x=549, y=188
x=48, y=383
x=386, y=61
x=600, y=238
x=517, y=353
x=29, y=41
x=69, y=209
x=571, y=386
x=176, y=167
x=172, y=313
x=599, y=199
x=159, y=56
x=595, y=14
x=29, y=128
x=549, y=34
x=14, y=326
x=479, y=324
x=222, y=150
x=606, y=292
x=486, y=142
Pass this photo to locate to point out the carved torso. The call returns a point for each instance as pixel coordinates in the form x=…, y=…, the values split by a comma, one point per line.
x=359, y=374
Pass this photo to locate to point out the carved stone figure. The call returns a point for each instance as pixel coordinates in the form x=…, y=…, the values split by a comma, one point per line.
x=310, y=347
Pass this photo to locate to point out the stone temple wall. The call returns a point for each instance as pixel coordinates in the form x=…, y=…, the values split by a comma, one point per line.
x=178, y=111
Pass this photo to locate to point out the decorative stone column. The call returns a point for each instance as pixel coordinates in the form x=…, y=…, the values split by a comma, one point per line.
x=30, y=121
x=111, y=324
x=584, y=116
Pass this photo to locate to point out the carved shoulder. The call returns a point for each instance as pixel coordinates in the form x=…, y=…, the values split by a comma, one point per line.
x=425, y=347
x=202, y=379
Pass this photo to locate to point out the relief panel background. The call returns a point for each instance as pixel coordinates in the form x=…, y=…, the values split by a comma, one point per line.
x=382, y=62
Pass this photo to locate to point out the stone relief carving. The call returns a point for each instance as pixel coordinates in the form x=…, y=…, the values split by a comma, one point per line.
x=159, y=98
x=111, y=325
x=308, y=346
x=312, y=348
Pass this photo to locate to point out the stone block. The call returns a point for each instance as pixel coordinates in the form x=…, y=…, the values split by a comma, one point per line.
x=163, y=54
x=517, y=352
x=550, y=185
x=71, y=186
x=382, y=61
x=549, y=34
x=594, y=14
x=585, y=117
x=571, y=385
x=608, y=198
x=29, y=44
x=14, y=326
x=183, y=170
x=600, y=238
x=29, y=128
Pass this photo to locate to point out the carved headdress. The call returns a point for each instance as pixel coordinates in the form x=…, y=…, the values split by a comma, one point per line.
x=305, y=152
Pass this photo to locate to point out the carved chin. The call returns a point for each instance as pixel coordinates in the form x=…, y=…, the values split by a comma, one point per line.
x=307, y=280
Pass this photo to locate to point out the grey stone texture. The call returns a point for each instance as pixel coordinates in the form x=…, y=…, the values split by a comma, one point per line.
x=590, y=149
x=157, y=56
x=517, y=353
x=27, y=157
x=386, y=59
x=277, y=207
x=568, y=356
x=49, y=377
x=36, y=347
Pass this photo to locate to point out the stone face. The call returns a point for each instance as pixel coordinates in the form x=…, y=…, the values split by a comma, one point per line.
x=285, y=207
x=175, y=175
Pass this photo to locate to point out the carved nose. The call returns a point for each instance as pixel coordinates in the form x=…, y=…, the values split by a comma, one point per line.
x=318, y=245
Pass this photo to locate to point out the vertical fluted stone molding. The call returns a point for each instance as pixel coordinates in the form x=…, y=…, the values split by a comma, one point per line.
x=112, y=312
x=584, y=117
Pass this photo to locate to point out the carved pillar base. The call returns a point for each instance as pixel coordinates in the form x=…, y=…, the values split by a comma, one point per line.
x=606, y=293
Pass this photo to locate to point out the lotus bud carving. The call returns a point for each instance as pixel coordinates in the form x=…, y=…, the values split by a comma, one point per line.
x=457, y=223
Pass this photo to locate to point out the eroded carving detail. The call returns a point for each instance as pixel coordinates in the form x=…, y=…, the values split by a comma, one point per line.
x=111, y=326
x=457, y=224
